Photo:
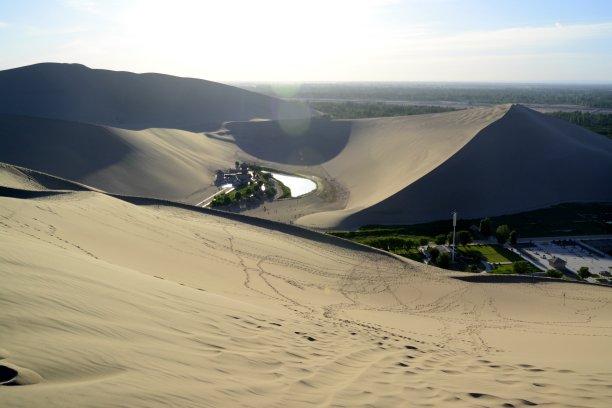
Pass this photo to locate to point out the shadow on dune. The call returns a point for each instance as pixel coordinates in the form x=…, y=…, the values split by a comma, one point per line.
x=133, y=101
x=518, y=279
x=25, y=194
x=523, y=161
x=65, y=149
x=297, y=142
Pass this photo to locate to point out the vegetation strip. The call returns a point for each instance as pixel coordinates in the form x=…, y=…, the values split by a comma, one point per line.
x=431, y=242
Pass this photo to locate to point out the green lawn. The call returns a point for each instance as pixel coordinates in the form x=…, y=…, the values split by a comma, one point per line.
x=491, y=253
x=509, y=269
x=502, y=269
x=412, y=253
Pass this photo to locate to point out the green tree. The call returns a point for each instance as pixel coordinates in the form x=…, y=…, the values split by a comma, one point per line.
x=513, y=238
x=270, y=192
x=485, y=227
x=408, y=244
x=238, y=195
x=440, y=239
x=227, y=200
x=583, y=272
x=521, y=267
x=433, y=254
x=444, y=260
x=553, y=273
x=502, y=233
x=395, y=243
x=237, y=164
x=464, y=237
x=423, y=241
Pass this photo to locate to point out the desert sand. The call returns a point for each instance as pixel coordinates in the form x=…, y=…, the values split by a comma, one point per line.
x=521, y=160
x=481, y=162
x=111, y=301
x=127, y=100
x=164, y=137
x=117, y=291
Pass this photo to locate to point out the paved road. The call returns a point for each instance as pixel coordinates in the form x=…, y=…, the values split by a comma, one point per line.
x=207, y=201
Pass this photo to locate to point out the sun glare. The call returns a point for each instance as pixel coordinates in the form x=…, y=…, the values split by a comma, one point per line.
x=296, y=37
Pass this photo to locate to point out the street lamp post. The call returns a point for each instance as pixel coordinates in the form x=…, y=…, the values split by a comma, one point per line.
x=454, y=227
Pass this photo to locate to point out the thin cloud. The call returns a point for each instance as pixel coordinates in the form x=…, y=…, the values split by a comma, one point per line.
x=504, y=41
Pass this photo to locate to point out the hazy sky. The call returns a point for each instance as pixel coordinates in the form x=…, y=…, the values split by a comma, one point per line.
x=317, y=40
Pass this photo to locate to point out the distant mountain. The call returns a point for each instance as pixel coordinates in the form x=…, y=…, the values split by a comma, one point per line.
x=133, y=101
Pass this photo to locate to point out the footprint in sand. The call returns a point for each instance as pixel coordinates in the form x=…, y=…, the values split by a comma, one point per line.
x=309, y=338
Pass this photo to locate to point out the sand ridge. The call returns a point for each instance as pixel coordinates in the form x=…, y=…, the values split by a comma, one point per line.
x=162, y=163
x=127, y=100
x=163, y=137
x=157, y=305
x=522, y=161
x=481, y=162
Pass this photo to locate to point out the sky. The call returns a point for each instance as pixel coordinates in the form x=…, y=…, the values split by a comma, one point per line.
x=318, y=40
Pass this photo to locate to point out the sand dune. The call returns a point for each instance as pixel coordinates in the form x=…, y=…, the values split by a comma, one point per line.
x=107, y=303
x=522, y=161
x=298, y=143
x=404, y=170
x=171, y=164
x=19, y=178
x=482, y=162
x=133, y=101
x=385, y=155
x=122, y=298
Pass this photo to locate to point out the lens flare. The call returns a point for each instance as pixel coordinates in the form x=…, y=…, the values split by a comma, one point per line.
x=294, y=117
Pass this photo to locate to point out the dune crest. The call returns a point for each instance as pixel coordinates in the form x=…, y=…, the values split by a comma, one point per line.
x=127, y=100
x=523, y=161
x=514, y=159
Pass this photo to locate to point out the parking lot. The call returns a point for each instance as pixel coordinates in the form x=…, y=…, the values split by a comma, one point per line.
x=576, y=253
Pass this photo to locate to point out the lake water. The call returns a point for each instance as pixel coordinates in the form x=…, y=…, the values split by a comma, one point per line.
x=298, y=185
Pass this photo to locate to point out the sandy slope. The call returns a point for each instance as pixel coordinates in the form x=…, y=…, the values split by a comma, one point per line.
x=105, y=303
x=127, y=100
x=523, y=161
x=481, y=162
x=23, y=179
x=166, y=163
x=385, y=155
